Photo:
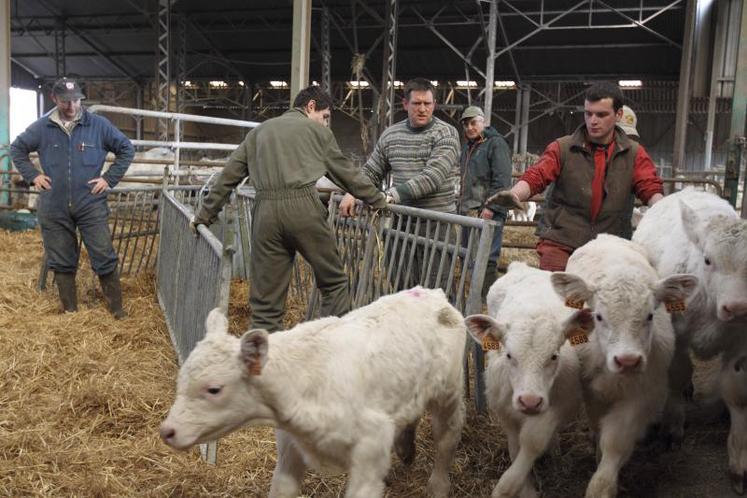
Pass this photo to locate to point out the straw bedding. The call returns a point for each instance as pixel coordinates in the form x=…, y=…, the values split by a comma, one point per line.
x=82, y=396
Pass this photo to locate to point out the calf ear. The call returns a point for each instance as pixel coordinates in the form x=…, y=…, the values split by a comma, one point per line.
x=676, y=288
x=579, y=323
x=254, y=350
x=692, y=224
x=571, y=288
x=216, y=323
x=480, y=326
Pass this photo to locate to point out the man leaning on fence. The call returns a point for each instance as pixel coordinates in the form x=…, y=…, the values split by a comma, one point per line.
x=595, y=172
x=72, y=145
x=283, y=158
x=421, y=154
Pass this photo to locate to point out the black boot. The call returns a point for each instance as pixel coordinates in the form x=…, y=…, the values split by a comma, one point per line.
x=491, y=274
x=113, y=293
x=68, y=293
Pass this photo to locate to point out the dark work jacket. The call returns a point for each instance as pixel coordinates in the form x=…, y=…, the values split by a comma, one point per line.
x=72, y=161
x=485, y=168
x=567, y=210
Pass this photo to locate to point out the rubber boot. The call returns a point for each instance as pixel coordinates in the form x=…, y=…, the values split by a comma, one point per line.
x=491, y=274
x=113, y=293
x=68, y=292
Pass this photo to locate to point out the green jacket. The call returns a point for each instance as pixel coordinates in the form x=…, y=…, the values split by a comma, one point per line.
x=285, y=153
x=485, y=168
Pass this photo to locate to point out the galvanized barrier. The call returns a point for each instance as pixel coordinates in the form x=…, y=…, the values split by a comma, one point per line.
x=193, y=277
x=384, y=251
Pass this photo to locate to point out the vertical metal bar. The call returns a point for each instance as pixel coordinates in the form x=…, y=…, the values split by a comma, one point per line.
x=474, y=305
x=59, y=48
x=525, y=99
x=163, y=65
x=490, y=63
x=326, y=53
x=736, y=154
x=683, y=92
x=517, y=119
x=5, y=81
x=717, y=64
x=301, y=46
x=389, y=71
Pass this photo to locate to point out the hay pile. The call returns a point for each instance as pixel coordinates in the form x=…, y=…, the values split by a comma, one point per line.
x=82, y=396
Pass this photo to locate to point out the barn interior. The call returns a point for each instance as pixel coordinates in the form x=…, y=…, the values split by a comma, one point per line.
x=83, y=395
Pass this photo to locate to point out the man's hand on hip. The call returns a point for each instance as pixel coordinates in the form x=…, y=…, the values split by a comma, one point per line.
x=98, y=185
x=42, y=182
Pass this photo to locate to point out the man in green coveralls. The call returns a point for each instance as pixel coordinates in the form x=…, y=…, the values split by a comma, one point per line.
x=283, y=158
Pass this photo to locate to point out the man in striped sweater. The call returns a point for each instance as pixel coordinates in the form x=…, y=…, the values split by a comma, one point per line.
x=421, y=153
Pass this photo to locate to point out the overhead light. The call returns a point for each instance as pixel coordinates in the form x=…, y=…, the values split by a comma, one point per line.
x=241, y=83
x=279, y=84
x=188, y=84
x=466, y=84
x=315, y=83
x=630, y=83
x=218, y=84
x=358, y=84
x=398, y=84
x=505, y=84
x=434, y=82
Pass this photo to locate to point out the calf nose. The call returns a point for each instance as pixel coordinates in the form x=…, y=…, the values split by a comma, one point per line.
x=530, y=402
x=628, y=361
x=167, y=433
x=734, y=309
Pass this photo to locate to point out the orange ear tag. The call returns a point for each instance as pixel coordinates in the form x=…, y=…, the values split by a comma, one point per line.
x=490, y=344
x=577, y=337
x=572, y=303
x=673, y=306
x=256, y=369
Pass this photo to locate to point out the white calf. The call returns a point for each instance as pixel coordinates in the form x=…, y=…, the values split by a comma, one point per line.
x=532, y=383
x=528, y=215
x=338, y=390
x=624, y=366
x=699, y=233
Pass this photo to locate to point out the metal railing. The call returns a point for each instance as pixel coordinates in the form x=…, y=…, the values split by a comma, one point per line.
x=390, y=250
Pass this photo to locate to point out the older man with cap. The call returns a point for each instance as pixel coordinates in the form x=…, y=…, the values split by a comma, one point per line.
x=72, y=145
x=485, y=168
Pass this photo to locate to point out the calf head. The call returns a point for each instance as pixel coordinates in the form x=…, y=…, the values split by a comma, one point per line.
x=625, y=313
x=531, y=348
x=722, y=243
x=217, y=389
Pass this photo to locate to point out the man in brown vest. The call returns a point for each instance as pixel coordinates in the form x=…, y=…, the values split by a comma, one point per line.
x=595, y=172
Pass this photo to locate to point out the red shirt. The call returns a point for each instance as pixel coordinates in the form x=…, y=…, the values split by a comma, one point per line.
x=646, y=182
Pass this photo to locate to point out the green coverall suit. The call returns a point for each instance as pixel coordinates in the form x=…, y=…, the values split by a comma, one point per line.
x=283, y=158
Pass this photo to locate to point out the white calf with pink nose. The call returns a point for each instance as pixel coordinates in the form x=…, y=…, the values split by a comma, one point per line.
x=532, y=382
x=624, y=365
x=700, y=233
x=338, y=390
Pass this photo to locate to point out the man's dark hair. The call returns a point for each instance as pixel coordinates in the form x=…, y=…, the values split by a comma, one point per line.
x=315, y=93
x=605, y=90
x=418, y=85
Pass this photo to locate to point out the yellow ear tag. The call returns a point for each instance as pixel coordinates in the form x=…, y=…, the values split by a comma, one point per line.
x=256, y=369
x=577, y=337
x=572, y=303
x=490, y=344
x=673, y=306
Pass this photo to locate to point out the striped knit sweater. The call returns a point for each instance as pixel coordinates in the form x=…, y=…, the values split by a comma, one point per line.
x=423, y=163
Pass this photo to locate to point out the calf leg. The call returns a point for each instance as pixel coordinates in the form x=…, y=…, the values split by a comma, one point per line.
x=289, y=469
x=370, y=458
x=680, y=378
x=533, y=439
x=619, y=431
x=404, y=444
x=447, y=421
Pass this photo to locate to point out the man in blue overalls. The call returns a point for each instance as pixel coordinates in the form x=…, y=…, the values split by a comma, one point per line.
x=72, y=145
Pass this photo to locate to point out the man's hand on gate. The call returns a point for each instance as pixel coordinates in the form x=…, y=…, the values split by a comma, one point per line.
x=193, y=225
x=506, y=199
x=347, y=206
x=42, y=182
x=98, y=185
x=486, y=214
